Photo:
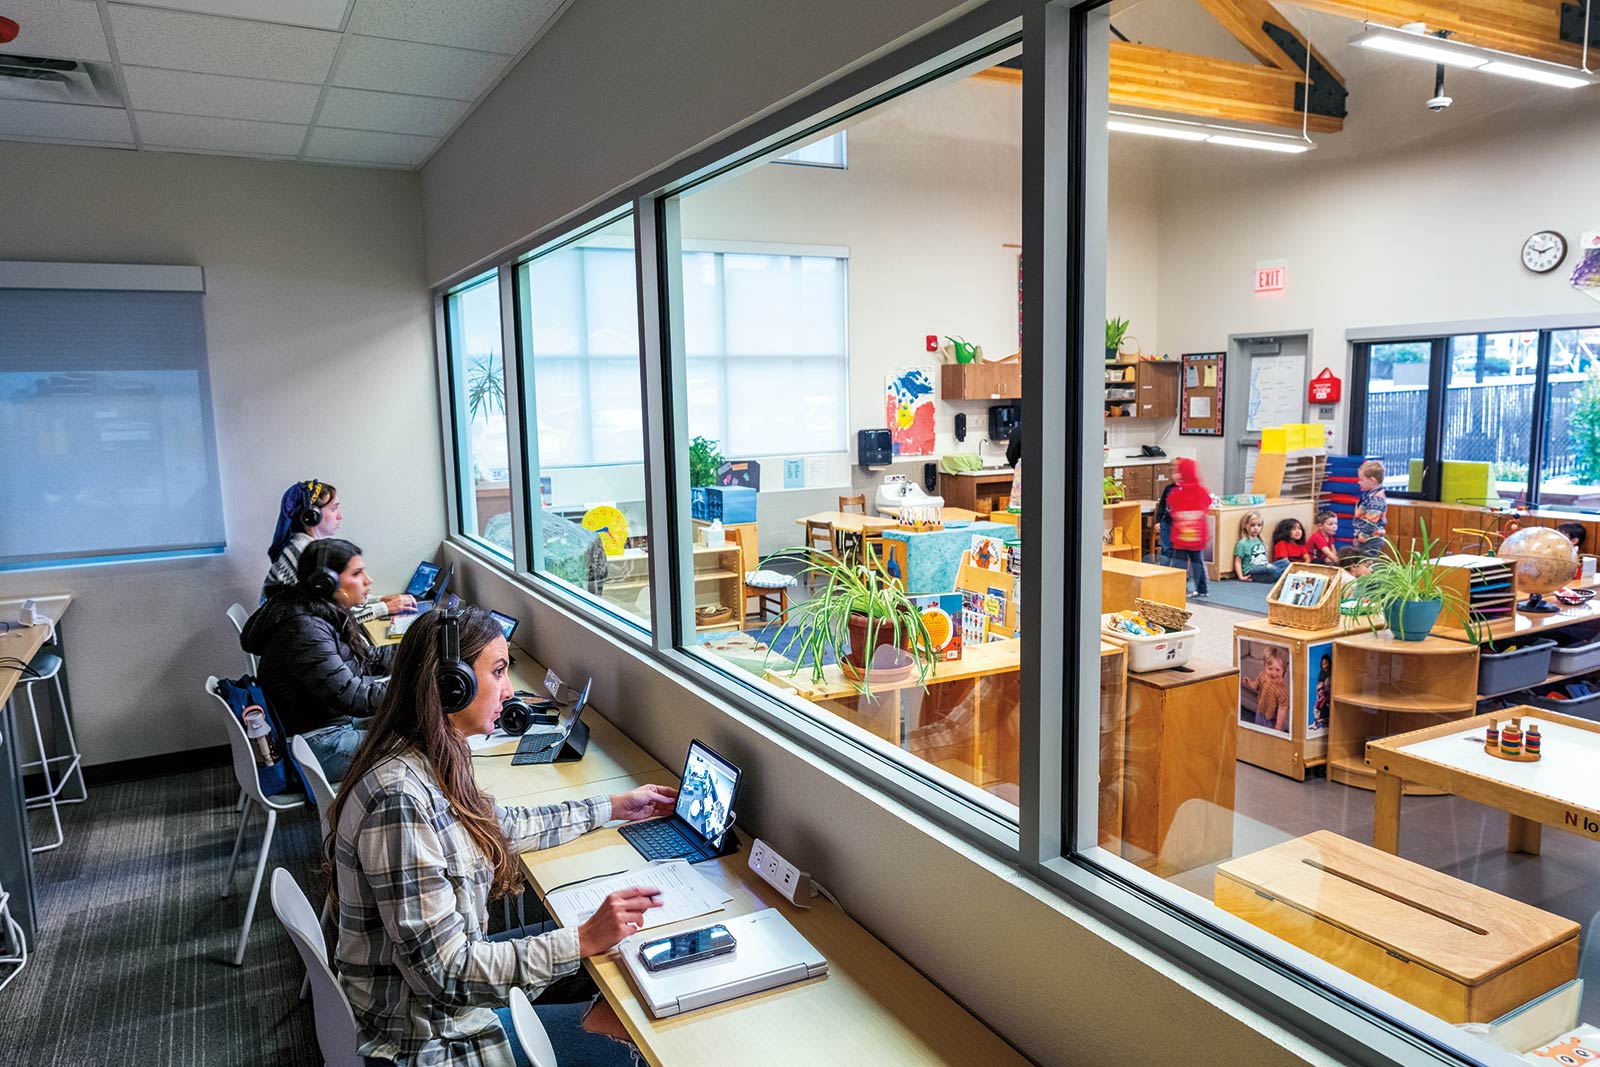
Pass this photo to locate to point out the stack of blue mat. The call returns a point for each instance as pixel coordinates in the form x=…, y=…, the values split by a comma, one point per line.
x=1340, y=492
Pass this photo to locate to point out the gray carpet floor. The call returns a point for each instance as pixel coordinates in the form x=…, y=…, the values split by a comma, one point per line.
x=133, y=963
x=135, y=943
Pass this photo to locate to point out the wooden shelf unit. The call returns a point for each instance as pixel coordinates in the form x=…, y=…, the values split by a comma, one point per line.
x=1307, y=745
x=718, y=579
x=1123, y=516
x=1113, y=741
x=1384, y=686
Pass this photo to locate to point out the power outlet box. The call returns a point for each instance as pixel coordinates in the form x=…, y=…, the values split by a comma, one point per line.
x=785, y=877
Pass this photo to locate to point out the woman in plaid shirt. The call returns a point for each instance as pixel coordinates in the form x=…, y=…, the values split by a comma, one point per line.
x=419, y=851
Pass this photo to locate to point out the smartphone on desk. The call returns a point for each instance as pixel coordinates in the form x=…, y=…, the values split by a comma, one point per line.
x=700, y=944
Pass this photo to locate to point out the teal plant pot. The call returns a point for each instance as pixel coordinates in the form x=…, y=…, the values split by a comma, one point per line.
x=1412, y=620
x=1111, y=353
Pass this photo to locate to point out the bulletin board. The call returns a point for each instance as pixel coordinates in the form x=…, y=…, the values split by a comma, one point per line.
x=1200, y=398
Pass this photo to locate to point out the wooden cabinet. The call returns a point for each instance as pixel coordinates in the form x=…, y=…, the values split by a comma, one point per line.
x=1178, y=782
x=982, y=381
x=1113, y=727
x=1137, y=482
x=1123, y=581
x=981, y=492
x=1157, y=391
x=1160, y=478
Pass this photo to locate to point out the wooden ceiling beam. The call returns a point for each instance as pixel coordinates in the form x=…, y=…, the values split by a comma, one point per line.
x=1524, y=27
x=1200, y=87
x=1248, y=20
x=1144, y=76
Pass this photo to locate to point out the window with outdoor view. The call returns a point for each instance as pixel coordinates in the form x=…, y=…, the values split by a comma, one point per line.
x=478, y=395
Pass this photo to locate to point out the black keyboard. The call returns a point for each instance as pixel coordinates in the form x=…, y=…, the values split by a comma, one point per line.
x=657, y=839
x=537, y=748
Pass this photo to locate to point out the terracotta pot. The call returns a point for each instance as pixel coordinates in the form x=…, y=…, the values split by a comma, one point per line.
x=859, y=655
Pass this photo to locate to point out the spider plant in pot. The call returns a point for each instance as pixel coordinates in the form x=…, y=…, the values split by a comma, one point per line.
x=1404, y=586
x=862, y=618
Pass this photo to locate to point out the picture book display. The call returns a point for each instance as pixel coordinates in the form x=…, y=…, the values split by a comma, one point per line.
x=942, y=615
x=1303, y=590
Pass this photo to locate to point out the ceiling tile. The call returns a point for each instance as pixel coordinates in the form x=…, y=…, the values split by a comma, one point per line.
x=65, y=122
x=318, y=14
x=418, y=69
x=363, y=146
x=358, y=109
x=150, y=38
x=488, y=25
x=56, y=29
x=219, y=135
x=150, y=89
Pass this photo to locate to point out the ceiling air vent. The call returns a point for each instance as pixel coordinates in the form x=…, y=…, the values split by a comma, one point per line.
x=58, y=81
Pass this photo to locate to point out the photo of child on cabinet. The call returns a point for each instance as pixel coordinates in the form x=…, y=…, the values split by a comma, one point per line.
x=1264, y=686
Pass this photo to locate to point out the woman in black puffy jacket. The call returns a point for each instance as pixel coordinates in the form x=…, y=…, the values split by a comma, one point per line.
x=322, y=675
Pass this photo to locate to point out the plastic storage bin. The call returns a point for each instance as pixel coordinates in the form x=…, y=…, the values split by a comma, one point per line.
x=730, y=503
x=1583, y=654
x=1161, y=652
x=1516, y=667
x=1587, y=707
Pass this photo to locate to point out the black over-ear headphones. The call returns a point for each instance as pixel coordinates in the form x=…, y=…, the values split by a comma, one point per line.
x=456, y=681
x=515, y=717
x=309, y=514
x=322, y=582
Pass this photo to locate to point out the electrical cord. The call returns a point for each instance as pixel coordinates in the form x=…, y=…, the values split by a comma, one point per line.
x=15, y=664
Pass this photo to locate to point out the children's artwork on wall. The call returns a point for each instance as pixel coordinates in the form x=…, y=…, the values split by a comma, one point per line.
x=908, y=407
x=1265, y=670
x=1319, y=683
x=1586, y=273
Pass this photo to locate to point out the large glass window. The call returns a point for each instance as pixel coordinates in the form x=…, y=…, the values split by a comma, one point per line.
x=1569, y=468
x=1396, y=403
x=1493, y=413
x=478, y=394
x=1284, y=754
x=807, y=295
x=584, y=427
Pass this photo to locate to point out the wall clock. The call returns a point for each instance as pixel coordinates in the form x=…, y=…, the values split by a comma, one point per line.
x=611, y=525
x=1544, y=251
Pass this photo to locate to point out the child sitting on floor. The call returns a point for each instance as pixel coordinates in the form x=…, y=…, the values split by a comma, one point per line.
x=1289, y=542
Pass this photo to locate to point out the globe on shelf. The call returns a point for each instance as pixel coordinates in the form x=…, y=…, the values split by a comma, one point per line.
x=1543, y=561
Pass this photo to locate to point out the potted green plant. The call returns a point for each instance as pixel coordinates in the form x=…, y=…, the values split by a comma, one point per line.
x=704, y=461
x=486, y=388
x=1116, y=330
x=1113, y=490
x=862, y=618
x=1405, y=588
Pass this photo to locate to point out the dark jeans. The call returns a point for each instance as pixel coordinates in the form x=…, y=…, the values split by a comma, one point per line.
x=1192, y=559
x=1269, y=573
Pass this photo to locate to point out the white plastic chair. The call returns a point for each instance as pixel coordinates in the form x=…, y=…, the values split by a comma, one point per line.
x=336, y=1024
x=239, y=616
x=530, y=1031
x=244, y=769
x=323, y=793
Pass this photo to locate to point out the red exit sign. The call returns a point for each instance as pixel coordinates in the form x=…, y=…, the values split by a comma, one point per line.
x=1271, y=279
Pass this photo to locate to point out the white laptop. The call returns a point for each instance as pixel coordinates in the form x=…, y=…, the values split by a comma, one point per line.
x=768, y=952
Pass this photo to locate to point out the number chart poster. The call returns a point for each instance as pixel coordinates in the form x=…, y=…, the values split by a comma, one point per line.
x=908, y=405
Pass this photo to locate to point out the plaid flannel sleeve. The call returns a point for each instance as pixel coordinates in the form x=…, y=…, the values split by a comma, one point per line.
x=418, y=893
x=530, y=829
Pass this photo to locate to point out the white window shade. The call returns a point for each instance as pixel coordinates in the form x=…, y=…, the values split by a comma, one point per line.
x=105, y=408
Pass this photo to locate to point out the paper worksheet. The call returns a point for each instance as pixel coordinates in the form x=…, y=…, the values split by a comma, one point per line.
x=685, y=893
x=1199, y=407
x=1210, y=378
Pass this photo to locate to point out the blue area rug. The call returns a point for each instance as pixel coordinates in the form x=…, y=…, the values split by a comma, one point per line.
x=1241, y=596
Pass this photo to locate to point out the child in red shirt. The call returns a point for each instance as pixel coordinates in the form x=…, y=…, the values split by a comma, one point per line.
x=1187, y=504
x=1321, y=543
x=1289, y=542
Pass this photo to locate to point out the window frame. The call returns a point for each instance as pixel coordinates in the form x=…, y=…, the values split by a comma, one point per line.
x=458, y=454
x=1065, y=56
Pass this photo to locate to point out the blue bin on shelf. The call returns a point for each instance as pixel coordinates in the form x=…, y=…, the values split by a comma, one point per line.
x=730, y=503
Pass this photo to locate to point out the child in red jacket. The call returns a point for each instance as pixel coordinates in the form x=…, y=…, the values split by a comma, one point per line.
x=1187, y=504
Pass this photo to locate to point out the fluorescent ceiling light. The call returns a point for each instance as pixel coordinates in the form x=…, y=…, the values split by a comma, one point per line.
x=1418, y=47
x=1535, y=74
x=1263, y=143
x=1413, y=42
x=1152, y=129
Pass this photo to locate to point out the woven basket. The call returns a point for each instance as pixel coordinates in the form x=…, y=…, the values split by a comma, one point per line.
x=1323, y=615
x=1166, y=615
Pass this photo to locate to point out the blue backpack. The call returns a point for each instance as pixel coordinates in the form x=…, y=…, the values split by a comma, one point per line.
x=283, y=776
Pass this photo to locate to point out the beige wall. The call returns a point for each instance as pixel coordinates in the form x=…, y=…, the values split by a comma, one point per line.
x=321, y=359
x=618, y=88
